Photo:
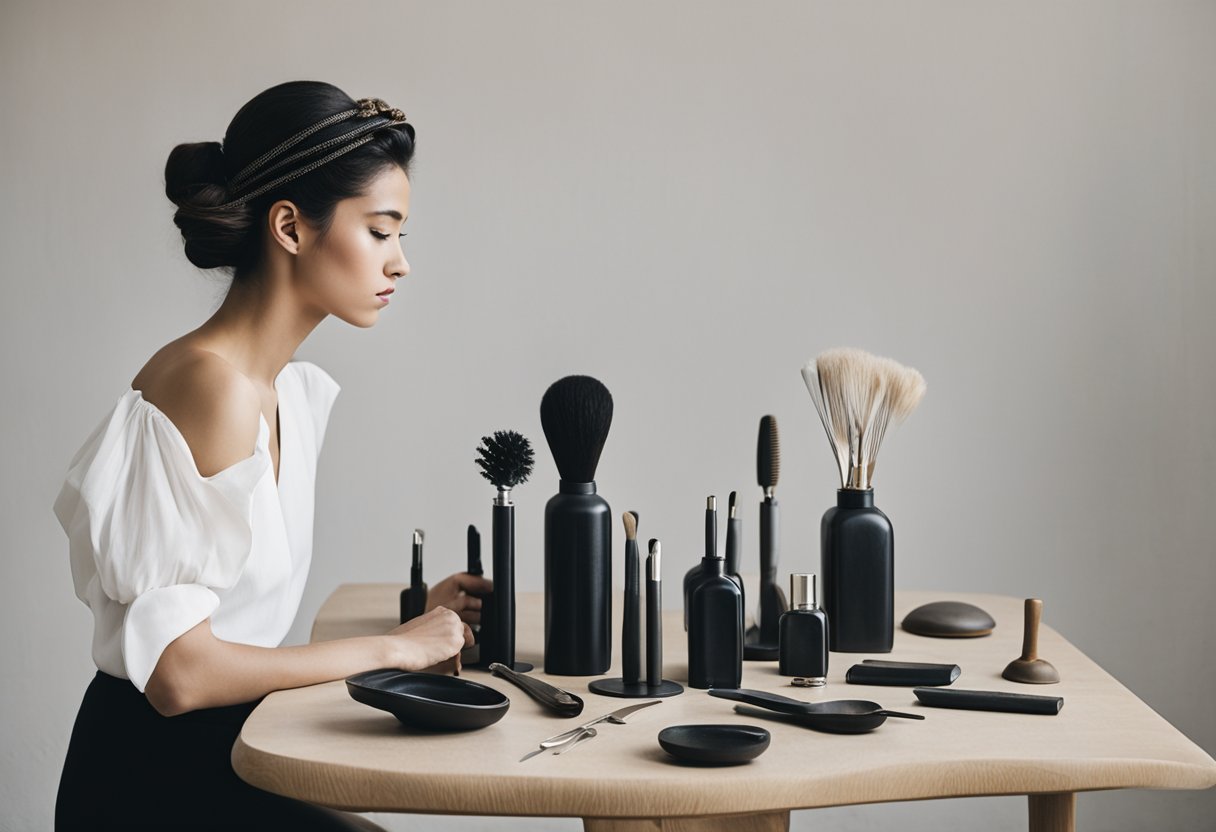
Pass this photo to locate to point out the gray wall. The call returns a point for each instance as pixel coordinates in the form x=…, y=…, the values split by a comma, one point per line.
x=686, y=200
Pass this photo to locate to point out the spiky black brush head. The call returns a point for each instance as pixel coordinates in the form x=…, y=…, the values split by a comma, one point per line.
x=576, y=413
x=505, y=458
x=768, y=453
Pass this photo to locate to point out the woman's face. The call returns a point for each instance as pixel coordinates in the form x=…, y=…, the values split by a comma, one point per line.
x=350, y=272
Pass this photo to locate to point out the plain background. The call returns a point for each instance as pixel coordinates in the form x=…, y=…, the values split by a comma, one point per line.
x=688, y=201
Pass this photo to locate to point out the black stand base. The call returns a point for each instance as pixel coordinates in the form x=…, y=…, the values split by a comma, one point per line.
x=755, y=650
x=635, y=690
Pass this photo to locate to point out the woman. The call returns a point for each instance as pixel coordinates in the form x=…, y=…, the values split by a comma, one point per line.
x=189, y=509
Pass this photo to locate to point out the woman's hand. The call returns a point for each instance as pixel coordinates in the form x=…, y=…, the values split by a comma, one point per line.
x=459, y=593
x=431, y=642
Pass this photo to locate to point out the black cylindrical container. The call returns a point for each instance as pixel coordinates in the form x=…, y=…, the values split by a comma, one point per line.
x=501, y=646
x=578, y=582
x=715, y=630
x=858, y=571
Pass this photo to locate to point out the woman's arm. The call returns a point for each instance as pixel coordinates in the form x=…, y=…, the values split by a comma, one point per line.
x=198, y=670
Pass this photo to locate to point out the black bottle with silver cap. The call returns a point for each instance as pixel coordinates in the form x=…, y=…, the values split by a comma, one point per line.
x=804, y=634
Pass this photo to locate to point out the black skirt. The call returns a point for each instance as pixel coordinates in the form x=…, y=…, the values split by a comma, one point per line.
x=128, y=767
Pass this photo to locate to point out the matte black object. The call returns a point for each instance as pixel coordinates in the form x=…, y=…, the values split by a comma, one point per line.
x=474, y=552
x=631, y=627
x=949, y=619
x=715, y=629
x=561, y=702
x=827, y=723
x=576, y=413
x=990, y=700
x=858, y=570
x=714, y=745
x=413, y=597
x=695, y=575
x=429, y=701
x=505, y=459
x=804, y=634
x=734, y=544
x=901, y=674
x=763, y=641
x=630, y=685
x=838, y=716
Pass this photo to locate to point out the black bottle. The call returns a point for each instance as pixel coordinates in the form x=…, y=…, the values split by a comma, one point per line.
x=715, y=629
x=578, y=581
x=858, y=569
x=692, y=578
x=804, y=634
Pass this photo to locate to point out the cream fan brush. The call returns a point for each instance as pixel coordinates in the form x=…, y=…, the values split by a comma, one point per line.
x=858, y=396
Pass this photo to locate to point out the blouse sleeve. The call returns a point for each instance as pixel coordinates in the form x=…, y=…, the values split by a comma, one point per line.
x=154, y=534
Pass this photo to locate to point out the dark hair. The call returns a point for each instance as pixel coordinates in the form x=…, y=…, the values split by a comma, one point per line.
x=196, y=175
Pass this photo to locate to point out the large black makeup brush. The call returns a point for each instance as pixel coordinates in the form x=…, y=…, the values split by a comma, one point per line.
x=576, y=413
x=762, y=641
x=505, y=459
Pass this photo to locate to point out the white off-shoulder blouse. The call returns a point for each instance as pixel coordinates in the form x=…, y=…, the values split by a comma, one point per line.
x=156, y=547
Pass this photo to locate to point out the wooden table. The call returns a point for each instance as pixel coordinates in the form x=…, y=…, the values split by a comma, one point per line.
x=318, y=744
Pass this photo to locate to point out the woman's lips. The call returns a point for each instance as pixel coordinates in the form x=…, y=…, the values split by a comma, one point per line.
x=384, y=295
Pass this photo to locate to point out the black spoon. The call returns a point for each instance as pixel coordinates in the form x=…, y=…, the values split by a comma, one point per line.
x=840, y=716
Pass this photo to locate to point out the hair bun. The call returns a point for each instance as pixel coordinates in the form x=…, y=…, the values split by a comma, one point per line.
x=192, y=169
x=196, y=182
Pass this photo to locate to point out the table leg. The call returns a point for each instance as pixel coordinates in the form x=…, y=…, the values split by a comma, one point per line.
x=755, y=822
x=1053, y=812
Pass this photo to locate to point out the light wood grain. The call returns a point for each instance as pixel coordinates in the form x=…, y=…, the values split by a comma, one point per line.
x=318, y=744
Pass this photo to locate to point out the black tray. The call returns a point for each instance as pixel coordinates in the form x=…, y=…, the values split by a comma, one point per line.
x=429, y=701
x=714, y=745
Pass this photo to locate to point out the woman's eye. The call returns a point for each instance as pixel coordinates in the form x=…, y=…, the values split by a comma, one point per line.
x=380, y=236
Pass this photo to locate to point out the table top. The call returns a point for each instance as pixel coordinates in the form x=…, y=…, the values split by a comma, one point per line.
x=318, y=744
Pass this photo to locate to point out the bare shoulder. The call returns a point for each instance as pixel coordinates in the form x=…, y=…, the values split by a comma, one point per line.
x=214, y=406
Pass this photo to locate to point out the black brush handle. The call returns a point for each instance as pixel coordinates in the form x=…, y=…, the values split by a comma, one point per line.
x=631, y=636
x=654, y=632
x=771, y=701
x=578, y=582
x=474, y=552
x=555, y=699
x=734, y=534
x=503, y=537
x=772, y=597
x=990, y=700
x=711, y=533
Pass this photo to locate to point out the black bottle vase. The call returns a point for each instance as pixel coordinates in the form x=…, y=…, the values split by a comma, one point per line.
x=858, y=571
x=578, y=582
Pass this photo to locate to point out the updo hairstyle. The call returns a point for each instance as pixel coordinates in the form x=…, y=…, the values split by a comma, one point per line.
x=230, y=237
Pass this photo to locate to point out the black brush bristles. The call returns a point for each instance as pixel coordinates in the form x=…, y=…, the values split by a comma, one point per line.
x=576, y=413
x=768, y=453
x=505, y=458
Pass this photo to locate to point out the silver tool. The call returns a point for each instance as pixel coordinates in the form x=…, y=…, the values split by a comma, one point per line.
x=585, y=735
x=576, y=733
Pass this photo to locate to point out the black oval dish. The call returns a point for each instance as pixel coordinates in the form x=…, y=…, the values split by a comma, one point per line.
x=429, y=701
x=714, y=745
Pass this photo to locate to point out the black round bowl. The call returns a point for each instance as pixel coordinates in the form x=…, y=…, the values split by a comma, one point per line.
x=429, y=701
x=715, y=745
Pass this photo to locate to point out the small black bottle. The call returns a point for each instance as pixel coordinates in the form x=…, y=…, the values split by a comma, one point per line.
x=804, y=634
x=715, y=629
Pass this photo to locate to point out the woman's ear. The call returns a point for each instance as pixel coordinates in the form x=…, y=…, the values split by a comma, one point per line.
x=285, y=225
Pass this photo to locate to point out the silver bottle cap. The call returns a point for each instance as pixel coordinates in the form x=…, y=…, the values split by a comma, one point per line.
x=803, y=595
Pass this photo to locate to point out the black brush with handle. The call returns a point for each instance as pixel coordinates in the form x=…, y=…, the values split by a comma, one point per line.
x=576, y=413
x=505, y=459
x=763, y=640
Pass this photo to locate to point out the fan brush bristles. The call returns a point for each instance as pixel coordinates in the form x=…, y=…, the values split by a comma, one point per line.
x=858, y=396
x=505, y=458
x=576, y=413
x=768, y=455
